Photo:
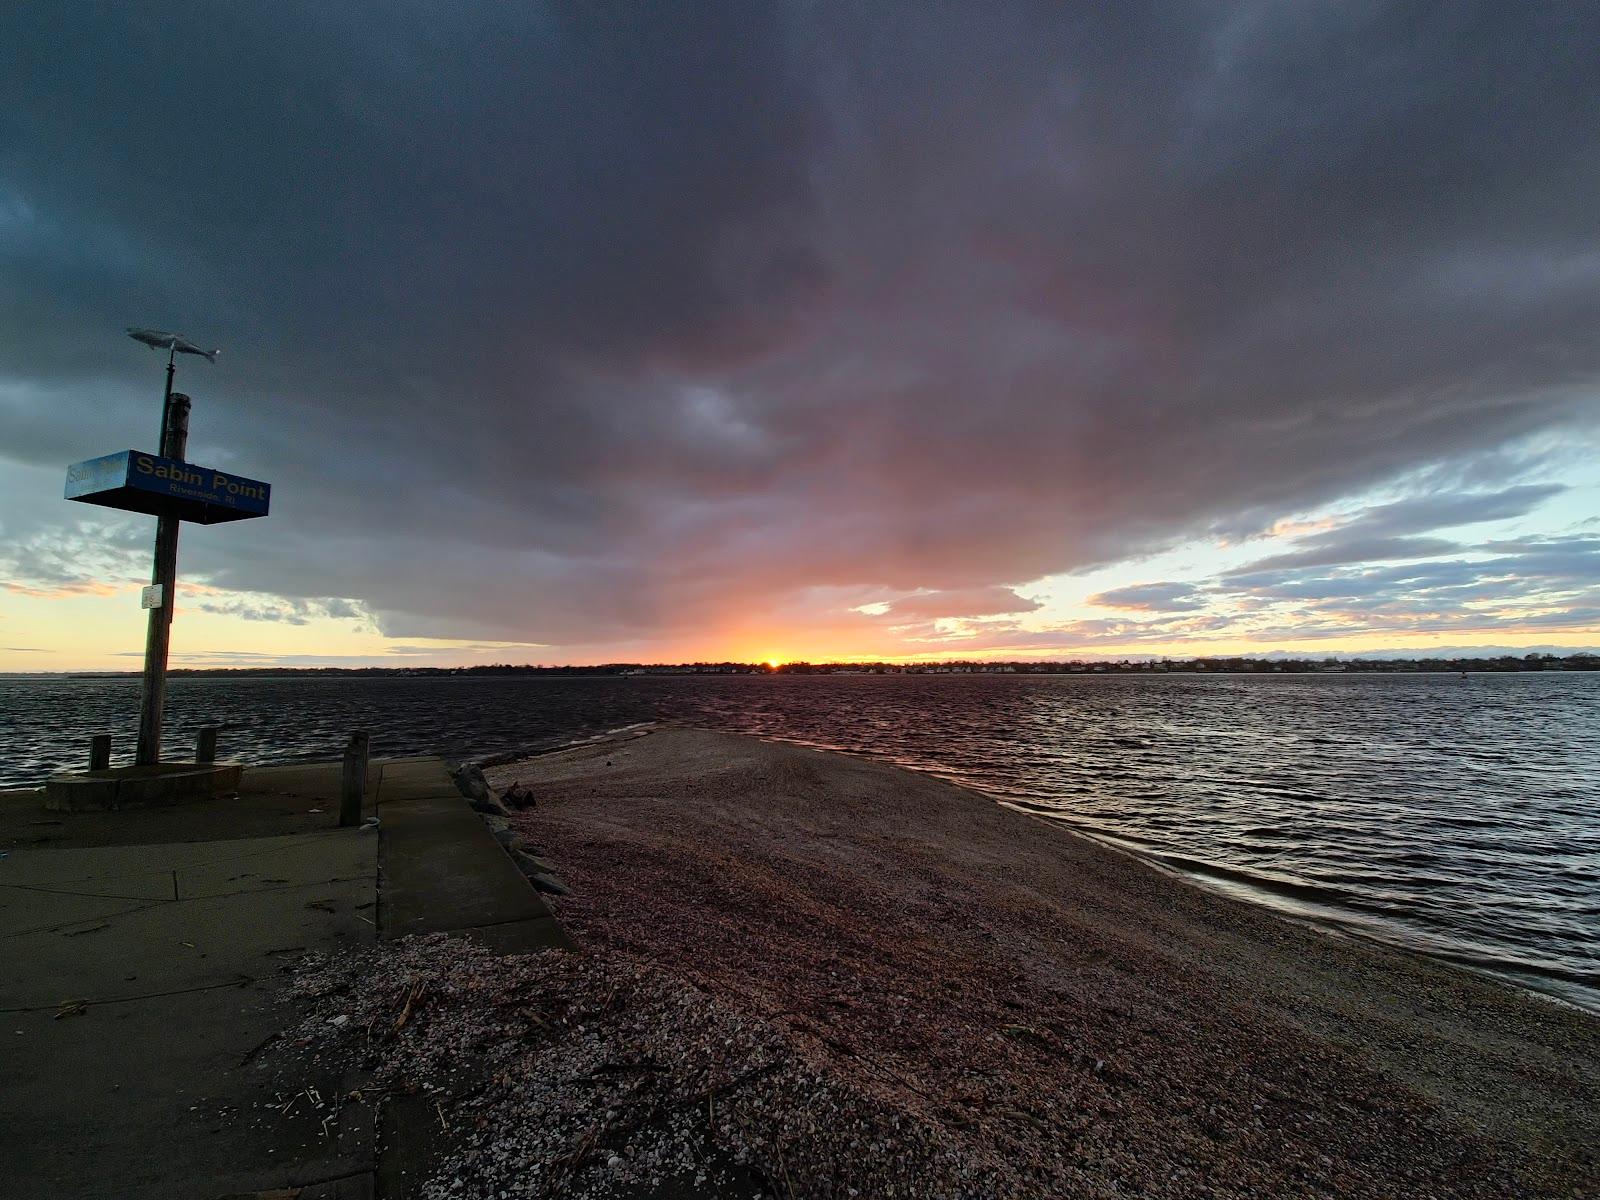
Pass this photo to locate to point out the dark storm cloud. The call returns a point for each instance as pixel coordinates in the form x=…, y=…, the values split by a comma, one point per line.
x=1553, y=582
x=1531, y=582
x=1152, y=597
x=588, y=323
x=1351, y=549
x=286, y=611
x=968, y=602
x=1556, y=568
x=1389, y=531
x=1423, y=514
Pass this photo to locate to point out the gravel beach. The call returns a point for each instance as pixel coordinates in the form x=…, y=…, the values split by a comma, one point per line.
x=809, y=975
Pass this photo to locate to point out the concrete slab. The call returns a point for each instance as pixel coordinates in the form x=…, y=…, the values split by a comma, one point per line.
x=272, y=800
x=262, y=812
x=412, y=778
x=270, y=863
x=131, y=787
x=72, y=866
x=169, y=930
x=442, y=869
x=28, y=911
x=89, y=1112
x=172, y=954
x=118, y=872
x=321, y=780
x=418, y=789
x=231, y=921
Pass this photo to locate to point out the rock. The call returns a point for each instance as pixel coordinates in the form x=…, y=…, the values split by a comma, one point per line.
x=526, y=863
x=470, y=782
x=518, y=797
x=539, y=874
x=547, y=867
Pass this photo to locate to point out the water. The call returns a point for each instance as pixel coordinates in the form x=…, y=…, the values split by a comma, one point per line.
x=1456, y=817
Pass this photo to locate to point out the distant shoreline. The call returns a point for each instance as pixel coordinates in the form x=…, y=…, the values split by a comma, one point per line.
x=1533, y=663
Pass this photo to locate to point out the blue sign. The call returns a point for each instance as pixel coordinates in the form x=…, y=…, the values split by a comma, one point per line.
x=148, y=483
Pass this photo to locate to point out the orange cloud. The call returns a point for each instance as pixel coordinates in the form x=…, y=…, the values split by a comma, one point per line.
x=62, y=591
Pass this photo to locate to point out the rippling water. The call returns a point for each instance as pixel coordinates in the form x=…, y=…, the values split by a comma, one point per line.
x=1454, y=816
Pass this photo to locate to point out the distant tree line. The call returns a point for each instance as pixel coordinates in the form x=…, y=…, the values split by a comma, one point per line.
x=1208, y=665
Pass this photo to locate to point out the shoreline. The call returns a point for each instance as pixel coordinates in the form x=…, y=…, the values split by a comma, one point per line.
x=1329, y=919
x=1241, y=885
x=871, y=914
x=1235, y=884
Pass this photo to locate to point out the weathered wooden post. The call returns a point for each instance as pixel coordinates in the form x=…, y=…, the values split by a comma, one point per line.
x=205, y=750
x=355, y=779
x=164, y=579
x=100, y=752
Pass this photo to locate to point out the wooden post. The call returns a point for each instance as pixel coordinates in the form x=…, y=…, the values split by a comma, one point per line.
x=158, y=636
x=100, y=752
x=205, y=750
x=355, y=779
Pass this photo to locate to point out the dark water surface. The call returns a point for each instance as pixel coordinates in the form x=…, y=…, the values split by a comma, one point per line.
x=1459, y=817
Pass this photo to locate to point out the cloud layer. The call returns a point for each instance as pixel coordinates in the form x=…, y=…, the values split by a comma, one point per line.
x=611, y=327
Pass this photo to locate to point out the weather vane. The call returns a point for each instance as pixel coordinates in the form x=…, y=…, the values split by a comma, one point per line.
x=174, y=344
x=158, y=339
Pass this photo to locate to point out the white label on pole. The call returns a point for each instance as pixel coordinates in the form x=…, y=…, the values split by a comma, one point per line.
x=151, y=596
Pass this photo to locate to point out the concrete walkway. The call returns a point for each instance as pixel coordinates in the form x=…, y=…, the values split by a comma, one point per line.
x=145, y=954
x=443, y=871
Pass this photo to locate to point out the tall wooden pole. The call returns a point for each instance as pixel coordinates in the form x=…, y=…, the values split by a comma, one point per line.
x=153, y=694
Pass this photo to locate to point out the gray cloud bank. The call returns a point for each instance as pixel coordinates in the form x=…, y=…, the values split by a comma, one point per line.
x=592, y=325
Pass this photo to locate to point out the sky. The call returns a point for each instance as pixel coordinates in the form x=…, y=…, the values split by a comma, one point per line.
x=611, y=332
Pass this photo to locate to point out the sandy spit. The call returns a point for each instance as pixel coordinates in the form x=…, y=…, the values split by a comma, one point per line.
x=809, y=975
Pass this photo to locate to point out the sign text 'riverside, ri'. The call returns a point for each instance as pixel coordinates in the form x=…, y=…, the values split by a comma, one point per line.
x=148, y=483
